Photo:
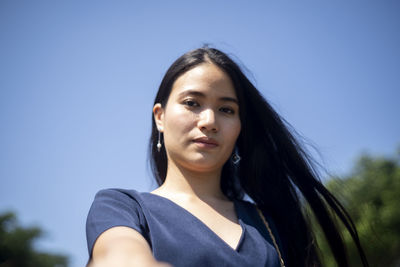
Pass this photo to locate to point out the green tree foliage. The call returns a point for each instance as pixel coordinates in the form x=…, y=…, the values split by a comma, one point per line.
x=16, y=246
x=371, y=195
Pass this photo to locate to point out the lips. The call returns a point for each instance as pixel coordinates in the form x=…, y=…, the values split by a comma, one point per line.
x=206, y=142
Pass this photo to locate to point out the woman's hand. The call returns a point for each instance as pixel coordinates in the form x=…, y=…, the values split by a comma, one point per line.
x=123, y=247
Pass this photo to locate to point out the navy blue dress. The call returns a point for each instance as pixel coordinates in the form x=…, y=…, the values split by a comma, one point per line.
x=178, y=237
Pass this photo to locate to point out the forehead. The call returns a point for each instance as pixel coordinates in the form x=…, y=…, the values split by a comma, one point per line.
x=206, y=78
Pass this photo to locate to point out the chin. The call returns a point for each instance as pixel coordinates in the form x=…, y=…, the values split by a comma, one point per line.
x=205, y=165
x=201, y=162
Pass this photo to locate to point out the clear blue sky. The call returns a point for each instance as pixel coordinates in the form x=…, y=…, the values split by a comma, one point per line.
x=78, y=78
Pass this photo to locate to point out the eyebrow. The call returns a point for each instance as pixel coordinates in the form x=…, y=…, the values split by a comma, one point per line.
x=200, y=94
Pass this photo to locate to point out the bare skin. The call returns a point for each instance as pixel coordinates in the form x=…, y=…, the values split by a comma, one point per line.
x=194, y=167
x=123, y=247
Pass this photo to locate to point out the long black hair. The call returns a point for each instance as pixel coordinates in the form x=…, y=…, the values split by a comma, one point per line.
x=274, y=170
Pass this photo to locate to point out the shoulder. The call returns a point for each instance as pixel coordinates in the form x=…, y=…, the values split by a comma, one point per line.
x=254, y=216
x=245, y=203
x=119, y=202
x=245, y=207
x=115, y=207
x=252, y=210
x=117, y=193
x=113, y=199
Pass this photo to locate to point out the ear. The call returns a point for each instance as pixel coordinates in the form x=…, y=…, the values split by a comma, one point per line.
x=158, y=113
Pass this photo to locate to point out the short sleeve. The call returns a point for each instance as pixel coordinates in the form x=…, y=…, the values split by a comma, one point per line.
x=110, y=208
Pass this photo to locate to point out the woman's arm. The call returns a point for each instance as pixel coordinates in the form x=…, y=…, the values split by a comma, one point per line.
x=123, y=247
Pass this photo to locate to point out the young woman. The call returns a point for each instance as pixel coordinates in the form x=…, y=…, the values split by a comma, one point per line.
x=215, y=139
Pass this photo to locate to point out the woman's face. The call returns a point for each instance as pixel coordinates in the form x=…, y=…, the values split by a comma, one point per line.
x=200, y=121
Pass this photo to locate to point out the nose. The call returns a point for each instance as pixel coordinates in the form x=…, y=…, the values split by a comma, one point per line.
x=207, y=121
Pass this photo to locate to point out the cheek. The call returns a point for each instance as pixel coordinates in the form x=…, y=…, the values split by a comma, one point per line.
x=234, y=130
x=178, y=121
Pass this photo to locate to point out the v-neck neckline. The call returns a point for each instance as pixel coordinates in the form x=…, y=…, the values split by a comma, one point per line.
x=205, y=226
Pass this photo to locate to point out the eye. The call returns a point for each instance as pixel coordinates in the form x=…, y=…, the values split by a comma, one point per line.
x=227, y=110
x=191, y=103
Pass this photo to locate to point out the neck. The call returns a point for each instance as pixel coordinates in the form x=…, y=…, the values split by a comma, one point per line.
x=192, y=184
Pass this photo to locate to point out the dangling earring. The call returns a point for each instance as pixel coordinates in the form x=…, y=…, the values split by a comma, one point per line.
x=235, y=156
x=159, y=142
